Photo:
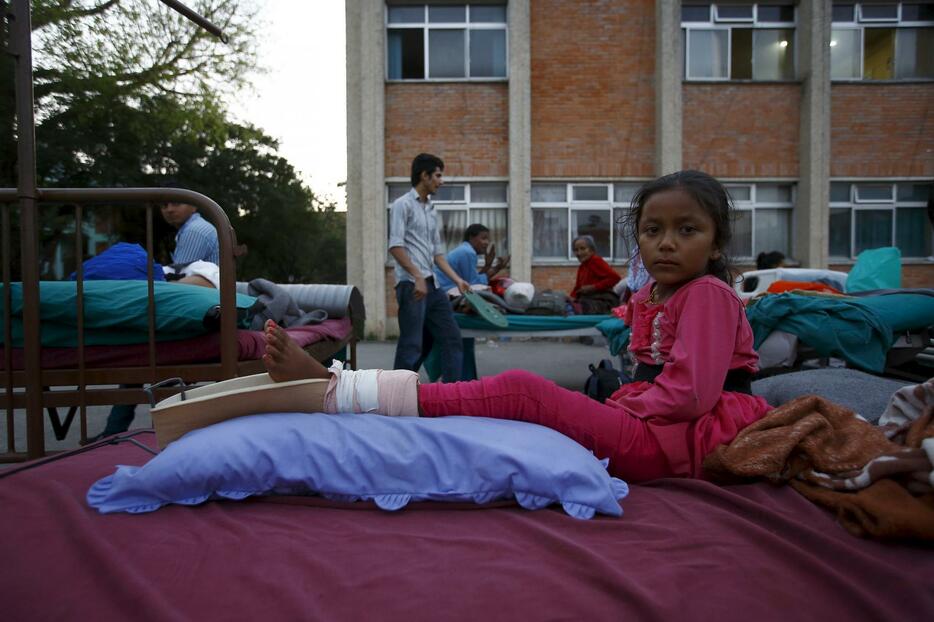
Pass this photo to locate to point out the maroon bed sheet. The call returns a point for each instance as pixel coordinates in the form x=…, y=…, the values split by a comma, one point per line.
x=683, y=550
x=205, y=348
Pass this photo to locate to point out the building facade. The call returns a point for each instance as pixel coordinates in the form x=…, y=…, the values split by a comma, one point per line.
x=818, y=116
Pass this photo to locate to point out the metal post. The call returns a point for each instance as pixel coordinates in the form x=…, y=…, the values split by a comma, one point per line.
x=21, y=46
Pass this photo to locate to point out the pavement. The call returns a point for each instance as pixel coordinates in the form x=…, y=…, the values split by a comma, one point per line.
x=563, y=361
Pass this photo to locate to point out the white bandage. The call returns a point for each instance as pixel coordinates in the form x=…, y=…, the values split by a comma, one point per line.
x=356, y=391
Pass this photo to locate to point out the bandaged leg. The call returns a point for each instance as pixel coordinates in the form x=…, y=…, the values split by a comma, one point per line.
x=380, y=391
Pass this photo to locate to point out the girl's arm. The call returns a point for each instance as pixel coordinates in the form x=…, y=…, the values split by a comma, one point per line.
x=692, y=381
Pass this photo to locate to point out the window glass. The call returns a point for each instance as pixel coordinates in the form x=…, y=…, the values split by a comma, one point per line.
x=488, y=53
x=623, y=193
x=707, y=53
x=741, y=244
x=453, y=193
x=840, y=232
x=844, y=54
x=878, y=11
x=741, y=54
x=873, y=229
x=878, y=53
x=739, y=193
x=873, y=192
x=839, y=192
x=494, y=192
x=917, y=12
x=446, y=54
x=773, y=56
x=550, y=233
x=407, y=14
x=773, y=193
x=453, y=224
x=589, y=193
x=397, y=190
x=775, y=13
x=487, y=14
x=914, y=192
x=447, y=14
x=549, y=193
x=596, y=224
x=912, y=231
x=914, y=53
x=622, y=242
x=734, y=11
x=844, y=12
x=406, y=54
x=695, y=13
x=773, y=231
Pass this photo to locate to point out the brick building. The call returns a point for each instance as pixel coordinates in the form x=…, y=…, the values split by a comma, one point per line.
x=819, y=117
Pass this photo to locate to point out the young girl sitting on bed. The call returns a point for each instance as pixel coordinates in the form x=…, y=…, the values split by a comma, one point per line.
x=689, y=335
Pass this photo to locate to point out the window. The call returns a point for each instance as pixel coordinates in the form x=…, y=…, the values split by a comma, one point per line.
x=446, y=42
x=738, y=41
x=563, y=211
x=763, y=217
x=867, y=215
x=462, y=204
x=882, y=41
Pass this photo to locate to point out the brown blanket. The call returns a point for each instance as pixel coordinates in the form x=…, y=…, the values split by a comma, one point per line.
x=878, y=480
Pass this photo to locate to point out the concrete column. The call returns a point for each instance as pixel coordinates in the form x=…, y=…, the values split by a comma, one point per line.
x=812, y=212
x=668, y=63
x=366, y=195
x=520, y=141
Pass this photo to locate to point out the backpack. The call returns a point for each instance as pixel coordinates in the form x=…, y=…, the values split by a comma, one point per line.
x=548, y=302
x=604, y=381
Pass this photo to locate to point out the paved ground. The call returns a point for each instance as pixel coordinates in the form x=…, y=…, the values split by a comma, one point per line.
x=565, y=362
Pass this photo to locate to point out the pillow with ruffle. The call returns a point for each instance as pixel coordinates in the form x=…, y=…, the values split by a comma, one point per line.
x=390, y=461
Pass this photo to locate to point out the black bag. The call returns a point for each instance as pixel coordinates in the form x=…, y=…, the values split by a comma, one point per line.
x=548, y=302
x=604, y=381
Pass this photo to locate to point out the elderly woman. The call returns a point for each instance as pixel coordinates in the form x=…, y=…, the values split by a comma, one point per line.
x=593, y=289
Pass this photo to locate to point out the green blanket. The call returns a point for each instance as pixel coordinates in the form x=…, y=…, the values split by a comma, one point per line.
x=116, y=312
x=521, y=323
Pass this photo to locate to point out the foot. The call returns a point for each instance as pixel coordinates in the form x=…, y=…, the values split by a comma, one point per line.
x=285, y=360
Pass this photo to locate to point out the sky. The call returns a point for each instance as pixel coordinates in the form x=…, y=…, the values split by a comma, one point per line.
x=300, y=99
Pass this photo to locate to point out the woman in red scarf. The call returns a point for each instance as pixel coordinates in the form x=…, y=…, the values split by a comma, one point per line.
x=593, y=289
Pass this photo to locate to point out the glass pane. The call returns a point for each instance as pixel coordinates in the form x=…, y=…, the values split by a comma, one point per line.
x=914, y=192
x=488, y=193
x=912, y=232
x=449, y=193
x=914, y=53
x=397, y=190
x=550, y=233
x=488, y=53
x=773, y=56
x=488, y=14
x=453, y=223
x=741, y=54
x=840, y=232
x=622, y=242
x=775, y=13
x=497, y=221
x=596, y=224
x=739, y=193
x=407, y=14
x=446, y=54
x=873, y=229
x=918, y=12
x=623, y=193
x=843, y=12
x=549, y=193
x=741, y=244
x=844, y=54
x=707, y=53
x=695, y=13
x=839, y=192
x=773, y=193
x=878, y=11
x=878, y=53
x=406, y=54
x=589, y=193
x=873, y=192
x=447, y=14
x=738, y=11
x=773, y=231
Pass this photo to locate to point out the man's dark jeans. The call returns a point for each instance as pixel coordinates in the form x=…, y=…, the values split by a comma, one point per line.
x=423, y=323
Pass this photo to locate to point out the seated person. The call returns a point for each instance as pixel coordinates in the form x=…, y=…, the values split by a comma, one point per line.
x=463, y=260
x=593, y=289
x=764, y=261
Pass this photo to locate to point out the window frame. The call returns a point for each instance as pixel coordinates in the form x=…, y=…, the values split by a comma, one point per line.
x=862, y=24
x=753, y=205
x=715, y=22
x=425, y=26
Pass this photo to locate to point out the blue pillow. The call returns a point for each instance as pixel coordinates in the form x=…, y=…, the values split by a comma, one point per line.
x=390, y=461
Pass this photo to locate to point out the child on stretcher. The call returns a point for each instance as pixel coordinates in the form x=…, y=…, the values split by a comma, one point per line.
x=690, y=337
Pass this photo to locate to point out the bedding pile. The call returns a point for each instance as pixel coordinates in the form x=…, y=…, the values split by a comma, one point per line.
x=878, y=480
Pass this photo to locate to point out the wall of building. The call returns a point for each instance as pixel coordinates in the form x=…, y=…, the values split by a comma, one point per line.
x=592, y=67
x=882, y=130
x=742, y=130
x=465, y=124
